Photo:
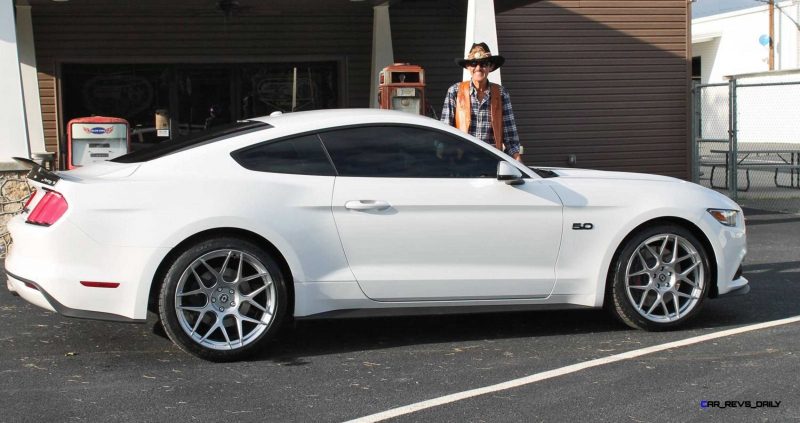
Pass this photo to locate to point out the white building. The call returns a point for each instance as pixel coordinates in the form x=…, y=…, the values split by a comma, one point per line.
x=735, y=45
x=737, y=42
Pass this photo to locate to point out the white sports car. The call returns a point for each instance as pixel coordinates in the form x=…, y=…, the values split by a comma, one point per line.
x=356, y=213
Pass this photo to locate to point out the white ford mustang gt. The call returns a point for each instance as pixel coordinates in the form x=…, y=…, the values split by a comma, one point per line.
x=356, y=213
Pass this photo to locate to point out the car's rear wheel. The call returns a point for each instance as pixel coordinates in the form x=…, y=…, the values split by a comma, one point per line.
x=660, y=278
x=222, y=299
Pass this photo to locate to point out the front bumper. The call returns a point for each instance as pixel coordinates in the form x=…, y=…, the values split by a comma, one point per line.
x=730, y=247
x=742, y=290
x=737, y=286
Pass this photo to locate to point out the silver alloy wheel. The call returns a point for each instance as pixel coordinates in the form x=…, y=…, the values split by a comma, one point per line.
x=225, y=299
x=664, y=278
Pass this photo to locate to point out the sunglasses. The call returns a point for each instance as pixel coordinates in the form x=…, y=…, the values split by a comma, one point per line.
x=476, y=63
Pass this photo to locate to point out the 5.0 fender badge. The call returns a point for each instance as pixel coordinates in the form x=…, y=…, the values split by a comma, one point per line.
x=582, y=226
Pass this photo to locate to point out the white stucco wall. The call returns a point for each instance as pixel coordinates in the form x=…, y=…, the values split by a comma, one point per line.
x=736, y=36
x=728, y=45
x=30, y=82
x=481, y=28
x=769, y=114
x=13, y=131
x=788, y=36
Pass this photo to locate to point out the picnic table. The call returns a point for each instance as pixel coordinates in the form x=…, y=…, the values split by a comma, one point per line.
x=754, y=158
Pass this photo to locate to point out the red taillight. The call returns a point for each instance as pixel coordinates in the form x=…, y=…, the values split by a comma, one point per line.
x=30, y=198
x=48, y=210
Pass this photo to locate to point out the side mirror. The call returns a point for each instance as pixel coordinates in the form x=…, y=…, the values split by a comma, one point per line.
x=509, y=174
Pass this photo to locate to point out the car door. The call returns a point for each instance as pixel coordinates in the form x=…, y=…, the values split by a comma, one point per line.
x=288, y=197
x=422, y=216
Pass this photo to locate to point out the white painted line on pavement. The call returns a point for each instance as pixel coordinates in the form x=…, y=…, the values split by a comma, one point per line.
x=458, y=396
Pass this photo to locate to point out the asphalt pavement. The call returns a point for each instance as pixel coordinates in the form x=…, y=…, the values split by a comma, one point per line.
x=58, y=369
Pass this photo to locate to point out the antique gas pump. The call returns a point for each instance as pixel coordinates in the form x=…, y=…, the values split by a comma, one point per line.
x=402, y=87
x=96, y=138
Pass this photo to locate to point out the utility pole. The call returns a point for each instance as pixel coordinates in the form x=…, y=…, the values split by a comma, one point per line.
x=771, y=34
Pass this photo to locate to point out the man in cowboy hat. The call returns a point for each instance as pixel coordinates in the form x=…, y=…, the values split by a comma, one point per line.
x=481, y=108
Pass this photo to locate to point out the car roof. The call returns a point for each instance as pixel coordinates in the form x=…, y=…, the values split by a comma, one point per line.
x=317, y=119
x=288, y=123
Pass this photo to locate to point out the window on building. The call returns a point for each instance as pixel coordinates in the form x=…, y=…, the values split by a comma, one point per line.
x=697, y=69
x=131, y=92
x=190, y=98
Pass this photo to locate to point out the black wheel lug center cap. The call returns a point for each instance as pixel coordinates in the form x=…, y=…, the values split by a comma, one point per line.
x=223, y=298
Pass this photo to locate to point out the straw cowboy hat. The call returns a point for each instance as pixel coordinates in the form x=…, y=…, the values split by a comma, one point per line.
x=479, y=52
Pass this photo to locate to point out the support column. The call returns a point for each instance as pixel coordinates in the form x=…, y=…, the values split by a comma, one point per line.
x=382, y=52
x=481, y=28
x=14, y=132
x=30, y=78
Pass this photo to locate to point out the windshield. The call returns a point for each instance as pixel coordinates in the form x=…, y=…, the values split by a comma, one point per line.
x=544, y=173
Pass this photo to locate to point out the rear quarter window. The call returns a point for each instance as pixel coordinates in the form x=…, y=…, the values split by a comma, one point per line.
x=302, y=155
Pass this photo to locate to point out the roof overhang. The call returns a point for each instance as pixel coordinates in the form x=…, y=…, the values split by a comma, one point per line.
x=702, y=38
x=254, y=7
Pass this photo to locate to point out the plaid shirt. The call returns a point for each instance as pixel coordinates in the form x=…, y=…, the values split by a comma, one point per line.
x=479, y=125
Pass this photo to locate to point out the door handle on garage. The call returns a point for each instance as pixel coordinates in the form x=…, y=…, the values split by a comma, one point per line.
x=366, y=205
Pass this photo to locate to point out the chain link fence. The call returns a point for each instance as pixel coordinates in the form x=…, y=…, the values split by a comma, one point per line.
x=746, y=140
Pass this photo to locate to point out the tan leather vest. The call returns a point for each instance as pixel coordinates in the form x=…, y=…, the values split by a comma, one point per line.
x=464, y=111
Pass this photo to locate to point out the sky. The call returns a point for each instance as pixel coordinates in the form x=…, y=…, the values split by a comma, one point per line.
x=702, y=8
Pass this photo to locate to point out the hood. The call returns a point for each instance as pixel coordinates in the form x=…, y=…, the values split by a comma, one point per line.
x=602, y=174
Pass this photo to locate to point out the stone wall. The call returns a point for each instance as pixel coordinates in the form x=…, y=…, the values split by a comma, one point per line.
x=14, y=190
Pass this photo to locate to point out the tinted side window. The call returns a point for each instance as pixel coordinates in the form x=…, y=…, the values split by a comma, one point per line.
x=406, y=152
x=301, y=155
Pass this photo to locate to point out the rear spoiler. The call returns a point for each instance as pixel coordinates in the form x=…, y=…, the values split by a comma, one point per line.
x=38, y=173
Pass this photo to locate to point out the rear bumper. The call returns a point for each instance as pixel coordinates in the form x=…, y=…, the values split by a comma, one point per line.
x=28, y=291
x=46, y=265
x=36, y=295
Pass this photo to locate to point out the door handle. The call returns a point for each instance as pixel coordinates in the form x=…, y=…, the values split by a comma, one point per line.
x=366, y=205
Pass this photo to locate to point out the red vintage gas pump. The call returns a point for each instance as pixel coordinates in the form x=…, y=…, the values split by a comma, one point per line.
x=402, y=87
x=96, y=138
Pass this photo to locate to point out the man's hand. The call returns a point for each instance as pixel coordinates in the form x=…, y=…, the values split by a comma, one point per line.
x=518, y=157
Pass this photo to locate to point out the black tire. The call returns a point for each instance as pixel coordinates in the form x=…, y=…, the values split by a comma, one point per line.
x=223, y=313
x=655, y=294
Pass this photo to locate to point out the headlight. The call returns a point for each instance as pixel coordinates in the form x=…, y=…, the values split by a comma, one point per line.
x=726, y=217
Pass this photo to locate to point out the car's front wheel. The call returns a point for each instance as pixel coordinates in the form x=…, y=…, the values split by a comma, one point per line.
x=222, y=299
x=660, y=278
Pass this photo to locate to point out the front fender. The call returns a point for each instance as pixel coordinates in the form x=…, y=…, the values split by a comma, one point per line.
x=615, y=209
